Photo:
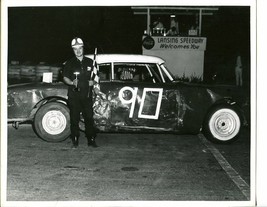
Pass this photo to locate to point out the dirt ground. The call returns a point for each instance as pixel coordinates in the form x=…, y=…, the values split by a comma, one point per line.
x=127, y=167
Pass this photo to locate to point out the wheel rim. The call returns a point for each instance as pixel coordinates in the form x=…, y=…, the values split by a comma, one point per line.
x=54, y=122
x=224, y=124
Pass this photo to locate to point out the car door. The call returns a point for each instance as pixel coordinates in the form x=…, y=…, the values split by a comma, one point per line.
x=139, y=99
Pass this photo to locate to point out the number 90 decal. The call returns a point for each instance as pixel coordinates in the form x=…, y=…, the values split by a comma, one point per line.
x=132, y=101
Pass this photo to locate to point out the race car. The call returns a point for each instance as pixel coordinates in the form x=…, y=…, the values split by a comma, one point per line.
x=140, y=95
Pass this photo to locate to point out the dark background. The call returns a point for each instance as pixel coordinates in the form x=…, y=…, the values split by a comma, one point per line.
x=44, y=34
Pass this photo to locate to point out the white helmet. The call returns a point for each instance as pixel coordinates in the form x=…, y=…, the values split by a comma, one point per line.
x=76, y=42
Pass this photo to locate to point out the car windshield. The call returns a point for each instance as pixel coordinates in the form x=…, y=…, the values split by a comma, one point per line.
x=167, y=75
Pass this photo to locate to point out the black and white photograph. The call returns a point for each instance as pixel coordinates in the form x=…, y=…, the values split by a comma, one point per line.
x=147, y=104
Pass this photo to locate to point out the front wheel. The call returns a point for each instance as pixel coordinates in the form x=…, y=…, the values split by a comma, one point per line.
x=222, y=125
x=52, y=122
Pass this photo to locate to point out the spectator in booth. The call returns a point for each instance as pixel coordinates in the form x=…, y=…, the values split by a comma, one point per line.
x=158, y=27
x=174, y=23
x=239, y=70
x=193, y=30
x=172, y=32
x=158, y=24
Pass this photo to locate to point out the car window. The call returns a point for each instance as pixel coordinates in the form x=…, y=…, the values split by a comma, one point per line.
x=134, y=72
x=105, y=71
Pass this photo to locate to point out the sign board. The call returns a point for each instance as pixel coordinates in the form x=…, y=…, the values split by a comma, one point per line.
x=47, y=77
x=184, y=56
x=174, y=43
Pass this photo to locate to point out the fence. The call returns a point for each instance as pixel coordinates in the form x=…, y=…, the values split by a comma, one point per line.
x=32, y=72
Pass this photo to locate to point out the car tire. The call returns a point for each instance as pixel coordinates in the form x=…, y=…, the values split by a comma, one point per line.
x=222, y=125
x=52, y=122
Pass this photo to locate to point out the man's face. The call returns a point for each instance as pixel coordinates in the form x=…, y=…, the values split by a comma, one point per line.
x=78, y=51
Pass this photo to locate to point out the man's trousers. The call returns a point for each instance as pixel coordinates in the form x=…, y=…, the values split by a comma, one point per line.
x=77, y=106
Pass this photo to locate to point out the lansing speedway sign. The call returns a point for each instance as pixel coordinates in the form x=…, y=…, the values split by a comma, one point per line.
x=181, y=43
x=184, y=55
x=175, y=43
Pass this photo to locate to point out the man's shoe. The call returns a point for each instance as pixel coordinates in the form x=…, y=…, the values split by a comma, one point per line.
x=91, y=142
x=75, y=141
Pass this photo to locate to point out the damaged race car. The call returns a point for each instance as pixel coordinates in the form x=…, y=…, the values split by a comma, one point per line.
x=140, y=95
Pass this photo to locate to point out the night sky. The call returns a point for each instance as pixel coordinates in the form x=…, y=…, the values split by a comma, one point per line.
x=44, y=33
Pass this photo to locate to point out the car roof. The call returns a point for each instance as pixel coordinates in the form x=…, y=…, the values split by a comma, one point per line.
x=131, y=58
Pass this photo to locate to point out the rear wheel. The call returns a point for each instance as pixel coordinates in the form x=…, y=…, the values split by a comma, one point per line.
x=222, y=125
x=52, y=122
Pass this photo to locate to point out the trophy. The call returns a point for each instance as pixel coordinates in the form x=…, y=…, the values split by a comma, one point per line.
x=76, y=89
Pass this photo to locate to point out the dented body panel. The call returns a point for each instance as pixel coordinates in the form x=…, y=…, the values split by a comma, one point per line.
x=22, y=99
x=181, y=108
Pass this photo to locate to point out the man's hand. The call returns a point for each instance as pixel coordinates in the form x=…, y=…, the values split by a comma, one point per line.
x=91, y=82
x=68, y=81
x=100, y=94
x=75, y=82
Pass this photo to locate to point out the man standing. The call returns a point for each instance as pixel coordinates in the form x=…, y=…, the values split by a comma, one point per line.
x=77, y=75
x=238, y=70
